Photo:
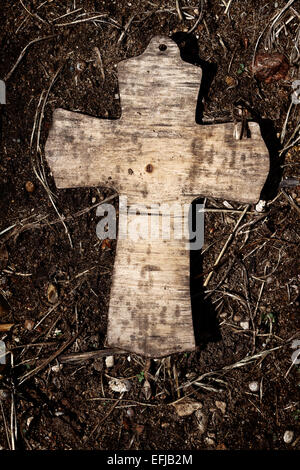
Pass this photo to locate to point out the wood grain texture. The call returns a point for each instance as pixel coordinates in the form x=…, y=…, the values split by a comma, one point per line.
x=150, y=306
x=155, y=153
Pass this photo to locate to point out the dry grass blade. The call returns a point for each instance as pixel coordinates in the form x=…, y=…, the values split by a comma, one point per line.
x=243, y=362
x=20, y=227
x=273, y=21
x=291, y=201
x=226, y=245
x=276, y=26
x=38, y=165
x=198, y=19
x=179, y=11
x=100, y=63
x=5, y=426
x=227, y=7
x=33, y=15
x=81, y=357
x=126, y=28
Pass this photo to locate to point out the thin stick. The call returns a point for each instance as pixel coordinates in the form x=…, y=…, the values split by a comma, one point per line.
x=179, y=11
x=291, y=200
x=227, y=7
x=5, y=426
x=198, y=20
x=84, y=20
x=49, y=359
x=104, y=418
x=9, y=74
x=39, y=175
x=34, y=15
x=127, y=26
x=66, y=14
x=83, y=356
x=283, y=132
x=100, y=63
x=226, y=245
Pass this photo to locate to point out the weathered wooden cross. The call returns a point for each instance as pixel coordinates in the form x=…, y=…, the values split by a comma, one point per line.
x=155, y=153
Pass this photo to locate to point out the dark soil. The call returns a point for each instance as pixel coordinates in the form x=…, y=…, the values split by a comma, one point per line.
x=53, y=407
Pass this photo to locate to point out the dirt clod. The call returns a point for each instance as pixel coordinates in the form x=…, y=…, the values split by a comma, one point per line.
x=270, y=67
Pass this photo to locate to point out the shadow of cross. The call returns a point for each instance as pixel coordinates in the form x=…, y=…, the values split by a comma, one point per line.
x=155, y=153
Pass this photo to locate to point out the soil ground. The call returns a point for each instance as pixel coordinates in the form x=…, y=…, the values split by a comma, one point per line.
x=69, y=405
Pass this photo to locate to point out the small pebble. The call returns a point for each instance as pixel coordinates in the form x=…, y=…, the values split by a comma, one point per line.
x=80, y=66
x=230, y=81
x=288, y=437
x=253, y=386
x=29, y=324
x=130, y=413
x=221, y=405
x=237, y=318
x=209, y=441
x=261, y=206
x=52, y=294
x=3, y=394
x=109, y=361
x=244, y=325
x=165, y=425
x=29, y=186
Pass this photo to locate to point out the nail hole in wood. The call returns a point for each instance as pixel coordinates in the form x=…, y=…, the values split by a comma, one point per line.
x=149, y=168
x=162, y=47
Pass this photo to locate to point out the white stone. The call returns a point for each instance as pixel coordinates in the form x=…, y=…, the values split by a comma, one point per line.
x=244, y=325
x=288, y=437
x=261, y=206
x=109, y=361
x=209, y=441
x=253, y=386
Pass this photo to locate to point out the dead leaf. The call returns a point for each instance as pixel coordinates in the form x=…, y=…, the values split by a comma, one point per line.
x=187, y=407
x=106, y=244
x=147, y=389
x=221, y=447
x=29, y=186
x=29, y=324
x=119, y=385
x=52, y=294
x=270, y=68
x=6, y=326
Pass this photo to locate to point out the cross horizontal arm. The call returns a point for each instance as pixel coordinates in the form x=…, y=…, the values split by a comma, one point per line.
x=156, y=163
x=85, y=151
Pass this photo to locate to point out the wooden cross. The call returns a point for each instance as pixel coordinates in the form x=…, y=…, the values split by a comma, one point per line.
x=155, y=153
